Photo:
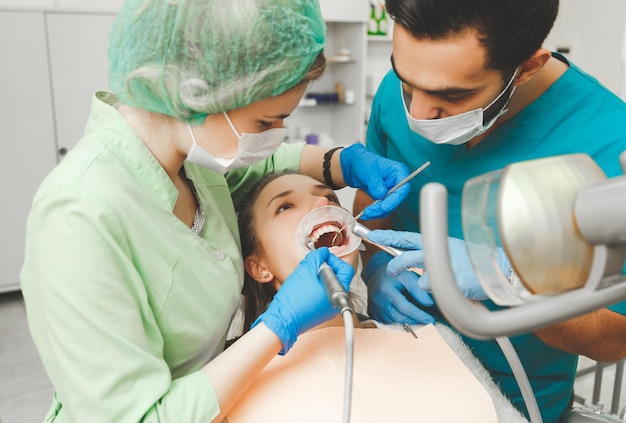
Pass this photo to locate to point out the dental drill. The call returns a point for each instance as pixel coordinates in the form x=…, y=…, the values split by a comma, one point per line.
x=317, y=229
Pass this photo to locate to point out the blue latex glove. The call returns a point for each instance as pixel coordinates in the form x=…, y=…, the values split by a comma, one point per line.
x=461, y=265
x=301, y=302
x=387, y=296
x=375, y=175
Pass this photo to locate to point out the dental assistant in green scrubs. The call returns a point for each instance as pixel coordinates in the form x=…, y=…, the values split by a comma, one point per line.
x=133, y=267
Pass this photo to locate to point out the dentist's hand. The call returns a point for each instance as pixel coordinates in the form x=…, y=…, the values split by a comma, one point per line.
x=301, y=302
x=461, y=265
x=375, y=175
x=387, y=296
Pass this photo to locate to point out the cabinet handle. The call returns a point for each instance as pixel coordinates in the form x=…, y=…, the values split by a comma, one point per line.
x=62, y=151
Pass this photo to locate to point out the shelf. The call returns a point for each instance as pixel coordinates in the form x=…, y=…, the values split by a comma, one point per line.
x=333, y=61
x=310, y=105
x=380, y=38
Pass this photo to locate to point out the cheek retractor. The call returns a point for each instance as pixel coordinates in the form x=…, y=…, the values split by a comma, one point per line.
x=320, y=226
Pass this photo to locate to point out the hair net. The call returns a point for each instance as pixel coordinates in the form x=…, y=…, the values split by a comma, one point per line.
x=189, y=58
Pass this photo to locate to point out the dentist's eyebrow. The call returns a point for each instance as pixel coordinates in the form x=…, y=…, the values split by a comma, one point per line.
x=443, y=92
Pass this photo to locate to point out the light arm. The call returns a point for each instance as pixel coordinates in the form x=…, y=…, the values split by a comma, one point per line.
x=481, y=323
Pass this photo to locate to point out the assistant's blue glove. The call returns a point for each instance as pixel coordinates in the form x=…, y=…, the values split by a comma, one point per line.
x=387, y=296
x=461, y=265
x=301, y=302
x=375, y=175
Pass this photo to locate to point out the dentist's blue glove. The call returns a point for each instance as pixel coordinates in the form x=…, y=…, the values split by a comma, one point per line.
x=387, y=296
x=461, y=265
x=375, y=175
x=301, y=302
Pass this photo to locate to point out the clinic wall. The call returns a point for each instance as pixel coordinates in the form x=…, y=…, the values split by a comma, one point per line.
x=105, y=5
x=593, y=34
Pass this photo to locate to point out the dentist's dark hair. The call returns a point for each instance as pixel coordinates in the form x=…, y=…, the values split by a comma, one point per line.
x=511, y=30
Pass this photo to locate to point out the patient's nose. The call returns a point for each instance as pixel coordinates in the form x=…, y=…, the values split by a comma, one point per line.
x=321, y=201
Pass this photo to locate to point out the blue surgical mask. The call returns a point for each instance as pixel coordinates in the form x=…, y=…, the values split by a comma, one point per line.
x=252, y=148
x=461, y=128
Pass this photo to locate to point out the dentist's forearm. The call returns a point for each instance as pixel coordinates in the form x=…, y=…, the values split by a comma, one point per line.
x=598, y=335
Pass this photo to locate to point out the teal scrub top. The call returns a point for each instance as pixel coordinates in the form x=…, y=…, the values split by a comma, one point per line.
x=574, y=115
x=125, y=302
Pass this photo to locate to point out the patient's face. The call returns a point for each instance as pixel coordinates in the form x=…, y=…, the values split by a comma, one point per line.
x=280, y=206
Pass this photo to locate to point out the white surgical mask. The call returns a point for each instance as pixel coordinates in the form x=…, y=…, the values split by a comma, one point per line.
x=251, y=149
x=461, y=128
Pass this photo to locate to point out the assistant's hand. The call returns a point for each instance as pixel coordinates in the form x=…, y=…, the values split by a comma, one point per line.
x=375, y=175
x=301, y=302
x=387, y=295
x=461, y=265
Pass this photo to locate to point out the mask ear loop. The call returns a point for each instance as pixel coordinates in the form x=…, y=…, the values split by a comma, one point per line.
x=193, y=138
x=230, y=123
x=508, y=85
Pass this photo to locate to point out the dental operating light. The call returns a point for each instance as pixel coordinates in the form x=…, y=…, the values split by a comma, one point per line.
x=561, y=223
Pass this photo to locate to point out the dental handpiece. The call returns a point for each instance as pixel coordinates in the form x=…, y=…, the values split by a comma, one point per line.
x=361, y=231
x=336, y=293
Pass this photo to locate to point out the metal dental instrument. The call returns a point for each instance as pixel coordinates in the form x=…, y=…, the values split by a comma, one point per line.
x=409, y=329
x=361, y=231
x=395, y=188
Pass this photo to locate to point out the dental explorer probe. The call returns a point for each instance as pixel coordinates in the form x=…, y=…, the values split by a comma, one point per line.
x=393, y=189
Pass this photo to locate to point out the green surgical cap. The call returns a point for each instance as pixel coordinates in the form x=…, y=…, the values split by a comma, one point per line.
x=190, y=58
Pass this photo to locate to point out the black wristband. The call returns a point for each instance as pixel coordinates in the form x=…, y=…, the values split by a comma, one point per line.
x=328, y=180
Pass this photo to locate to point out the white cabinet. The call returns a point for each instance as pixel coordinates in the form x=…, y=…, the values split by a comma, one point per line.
x=52, y=64
x=78, y=46
x=27, y=131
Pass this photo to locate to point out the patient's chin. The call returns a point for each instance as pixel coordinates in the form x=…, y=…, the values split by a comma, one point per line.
x=351, y=257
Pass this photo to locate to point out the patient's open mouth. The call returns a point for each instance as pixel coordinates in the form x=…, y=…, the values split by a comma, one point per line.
x=319, y=226
x=323, y=234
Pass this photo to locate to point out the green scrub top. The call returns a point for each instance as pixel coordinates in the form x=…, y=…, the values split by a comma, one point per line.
x=125, y=302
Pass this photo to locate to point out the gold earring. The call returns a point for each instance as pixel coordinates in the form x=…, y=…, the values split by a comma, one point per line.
x=265, y=275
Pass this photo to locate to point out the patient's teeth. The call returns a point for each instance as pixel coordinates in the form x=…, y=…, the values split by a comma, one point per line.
x=315, y=235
